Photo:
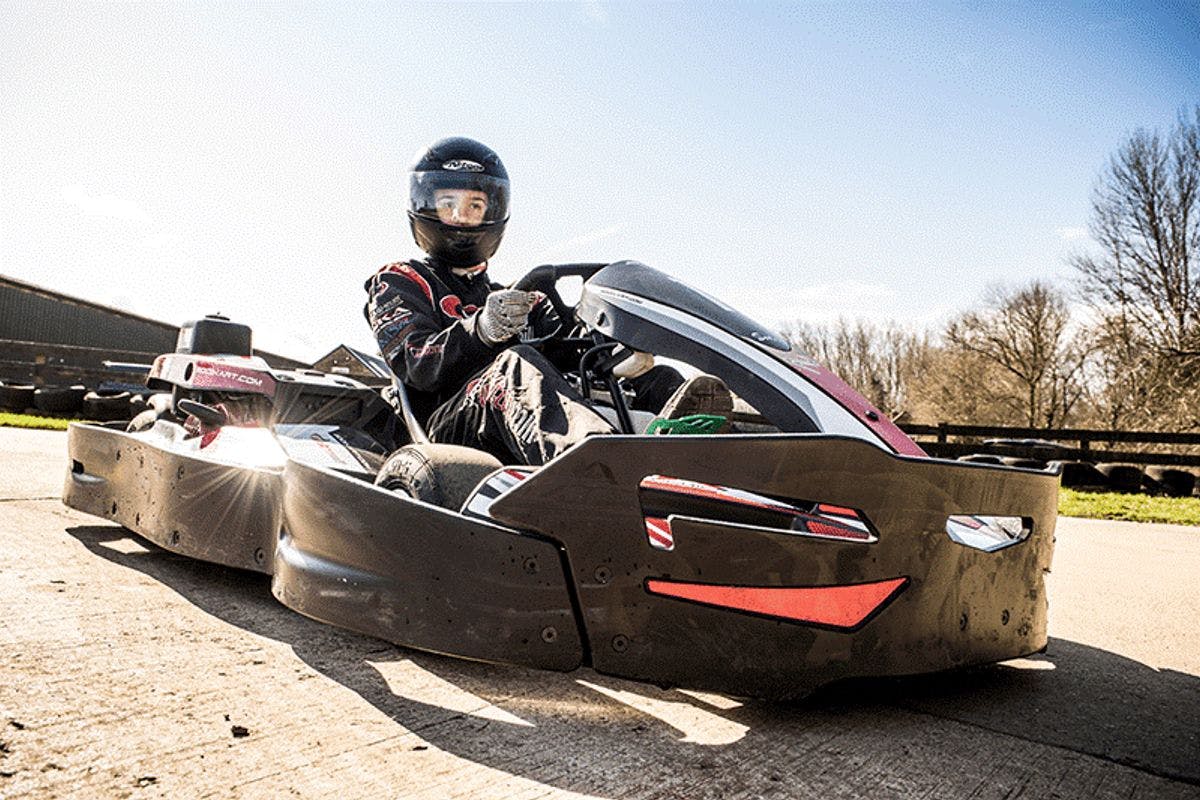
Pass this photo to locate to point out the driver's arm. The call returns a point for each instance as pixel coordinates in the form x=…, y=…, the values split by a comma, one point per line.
x=422, y=353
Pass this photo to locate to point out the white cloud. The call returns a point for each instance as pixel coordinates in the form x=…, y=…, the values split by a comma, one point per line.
x=1070, y=234
x=103, y=205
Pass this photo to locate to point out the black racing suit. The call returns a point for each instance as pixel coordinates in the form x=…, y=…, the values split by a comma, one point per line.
x=508, y=400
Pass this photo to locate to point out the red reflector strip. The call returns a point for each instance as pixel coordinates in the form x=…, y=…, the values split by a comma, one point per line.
x=821, y=528
x=844, y=607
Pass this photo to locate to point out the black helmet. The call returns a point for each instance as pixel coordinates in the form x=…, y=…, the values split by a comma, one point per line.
x=433, y=210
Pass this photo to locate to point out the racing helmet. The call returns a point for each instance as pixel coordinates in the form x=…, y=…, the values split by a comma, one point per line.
x=458, y=201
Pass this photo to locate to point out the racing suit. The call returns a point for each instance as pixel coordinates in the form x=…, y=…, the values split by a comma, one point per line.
x=509, y=399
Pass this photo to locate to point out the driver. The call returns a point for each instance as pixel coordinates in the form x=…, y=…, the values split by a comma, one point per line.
x=451, y=336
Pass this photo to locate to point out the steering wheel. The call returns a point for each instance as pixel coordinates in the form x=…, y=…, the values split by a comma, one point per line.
x=545, y=280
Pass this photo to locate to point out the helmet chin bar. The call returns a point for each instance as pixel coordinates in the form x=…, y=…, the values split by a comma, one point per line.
x=454, y=245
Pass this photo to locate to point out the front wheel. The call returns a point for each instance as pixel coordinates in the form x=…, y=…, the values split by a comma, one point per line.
x=439, y=474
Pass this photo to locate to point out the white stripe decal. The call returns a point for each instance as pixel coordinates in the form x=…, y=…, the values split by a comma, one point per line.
x=829, y=416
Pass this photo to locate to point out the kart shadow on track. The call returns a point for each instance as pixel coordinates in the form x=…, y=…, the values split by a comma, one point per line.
x=622, y=733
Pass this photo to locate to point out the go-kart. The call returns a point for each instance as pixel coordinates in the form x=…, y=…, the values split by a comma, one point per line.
x=813, y=542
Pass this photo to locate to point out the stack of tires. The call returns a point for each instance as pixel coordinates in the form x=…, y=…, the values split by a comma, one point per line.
x=59, y=400
x=71, y=401
x=16, y=397
x=107, y=406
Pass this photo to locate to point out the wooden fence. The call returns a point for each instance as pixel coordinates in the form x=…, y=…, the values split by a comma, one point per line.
x=1096, y=446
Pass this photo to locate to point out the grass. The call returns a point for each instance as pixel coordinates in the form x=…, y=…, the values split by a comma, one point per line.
x=31, y=421
x=1131, y=507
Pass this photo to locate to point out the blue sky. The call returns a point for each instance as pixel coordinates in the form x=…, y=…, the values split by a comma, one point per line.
x=802, y=161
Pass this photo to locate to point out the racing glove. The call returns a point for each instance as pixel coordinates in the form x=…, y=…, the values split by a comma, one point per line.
x=504, y=314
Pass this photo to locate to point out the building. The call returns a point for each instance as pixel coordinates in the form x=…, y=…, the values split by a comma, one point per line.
x=363, y=367
x=48, y=338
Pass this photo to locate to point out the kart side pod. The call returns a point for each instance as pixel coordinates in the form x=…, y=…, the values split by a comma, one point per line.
x=569, y=575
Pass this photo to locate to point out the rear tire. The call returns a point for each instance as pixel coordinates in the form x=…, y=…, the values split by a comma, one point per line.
x=439, y=474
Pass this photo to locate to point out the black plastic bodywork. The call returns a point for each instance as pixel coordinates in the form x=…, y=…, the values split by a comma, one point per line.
x=359, y=558
x=370, y=560
x=194, y=506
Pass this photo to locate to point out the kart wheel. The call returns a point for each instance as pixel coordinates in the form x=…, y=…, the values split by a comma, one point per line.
x=439, y=474
x=106, y=407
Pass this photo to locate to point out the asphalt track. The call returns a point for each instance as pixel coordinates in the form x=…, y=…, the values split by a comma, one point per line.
x=126, y=671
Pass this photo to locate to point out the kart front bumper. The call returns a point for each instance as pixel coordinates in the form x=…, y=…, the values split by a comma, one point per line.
x=569, y=577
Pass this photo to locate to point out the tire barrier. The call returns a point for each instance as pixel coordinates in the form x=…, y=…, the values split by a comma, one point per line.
x=981, y=458
x=59, y=400
x=16, y=398
x=106, y=407
x=137, y=404
x=1081, y=475
x=1023, y=463
x=1122, y=477
x=1170, y=481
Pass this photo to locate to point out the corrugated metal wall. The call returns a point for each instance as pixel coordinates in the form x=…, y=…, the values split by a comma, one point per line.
x=29, y=315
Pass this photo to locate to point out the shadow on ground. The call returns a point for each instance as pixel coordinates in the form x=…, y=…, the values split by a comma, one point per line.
x=1076, y=697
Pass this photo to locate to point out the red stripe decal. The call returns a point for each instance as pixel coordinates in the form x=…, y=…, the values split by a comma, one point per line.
x=844, y=607
x=659, y=530
x=840, y=511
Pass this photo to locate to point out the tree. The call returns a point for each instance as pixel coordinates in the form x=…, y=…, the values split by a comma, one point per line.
x=1146, y=221
x=1027, y=334
x=880, y=362
x=1144, y=279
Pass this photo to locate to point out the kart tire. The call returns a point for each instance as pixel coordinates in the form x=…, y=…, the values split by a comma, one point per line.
x=106, y=407
x=59, y=399
x=137, y=404
x=1172, y=481
x=1124, y=478
x=439, y=474
x=1081, y=475
x=15, y=397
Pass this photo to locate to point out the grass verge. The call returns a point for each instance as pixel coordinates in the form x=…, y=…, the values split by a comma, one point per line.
x=31, y=421
x=1131, y=507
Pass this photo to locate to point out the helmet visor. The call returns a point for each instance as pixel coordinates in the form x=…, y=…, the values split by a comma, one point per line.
x=461, y=199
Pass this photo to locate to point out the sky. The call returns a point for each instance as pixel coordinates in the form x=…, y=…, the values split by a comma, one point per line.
x=802, y=161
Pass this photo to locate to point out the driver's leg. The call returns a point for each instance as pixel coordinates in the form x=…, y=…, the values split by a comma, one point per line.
x=519, y=408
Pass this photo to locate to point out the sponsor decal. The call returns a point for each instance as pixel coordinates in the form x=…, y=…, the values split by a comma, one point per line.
x=452, y=307
x=423, y=350
x=462, y=165
x=394, y=315
x=406, y=269
x=205, y=372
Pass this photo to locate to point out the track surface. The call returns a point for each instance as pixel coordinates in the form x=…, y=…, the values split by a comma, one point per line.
x=126, y=671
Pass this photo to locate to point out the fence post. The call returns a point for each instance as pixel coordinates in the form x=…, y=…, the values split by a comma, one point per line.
x=941, y=434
